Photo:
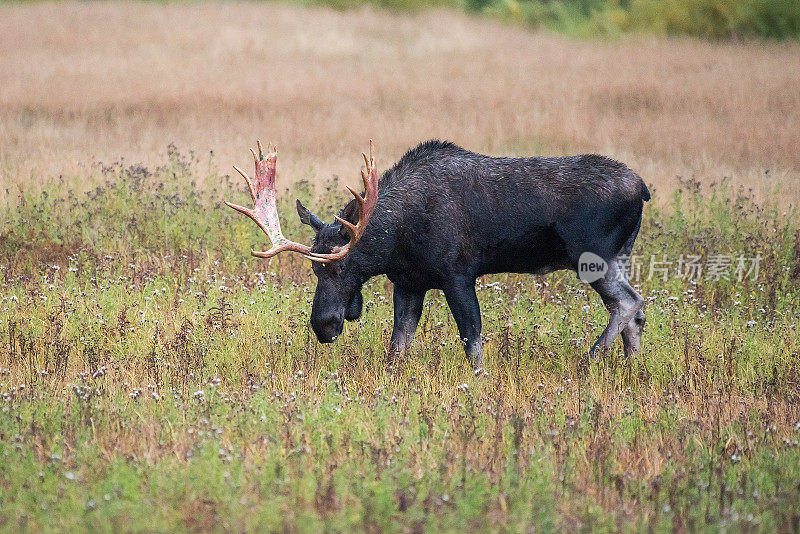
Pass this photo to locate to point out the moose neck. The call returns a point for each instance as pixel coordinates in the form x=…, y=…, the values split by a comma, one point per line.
x=372, y=254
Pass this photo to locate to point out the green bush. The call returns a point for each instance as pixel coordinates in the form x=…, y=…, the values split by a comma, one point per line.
x=711, y=19
x=716, y=18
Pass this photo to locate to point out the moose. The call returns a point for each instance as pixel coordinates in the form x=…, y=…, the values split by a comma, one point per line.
x=443, y=216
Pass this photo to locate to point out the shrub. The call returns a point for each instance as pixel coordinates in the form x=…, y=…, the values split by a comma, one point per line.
x=711, y=19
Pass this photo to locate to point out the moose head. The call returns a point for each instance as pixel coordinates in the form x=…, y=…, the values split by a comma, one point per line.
x=338, y=294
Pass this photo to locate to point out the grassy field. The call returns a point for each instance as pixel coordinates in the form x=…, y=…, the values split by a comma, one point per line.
x=155, y=377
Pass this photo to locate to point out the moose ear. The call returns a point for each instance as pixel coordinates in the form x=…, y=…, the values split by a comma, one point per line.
x=306, y=217
x=350, y=214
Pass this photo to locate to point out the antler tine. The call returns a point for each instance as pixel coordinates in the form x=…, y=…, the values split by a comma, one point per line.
x=365, y=177
x=355, y=193
x=371, y=161
x=244, y=174
x=359, y=201
x=248, y=180
x=295, y=247
x=352, y=228
x=238, y=208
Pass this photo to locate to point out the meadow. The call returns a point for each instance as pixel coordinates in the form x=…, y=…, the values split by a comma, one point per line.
x=156, y=377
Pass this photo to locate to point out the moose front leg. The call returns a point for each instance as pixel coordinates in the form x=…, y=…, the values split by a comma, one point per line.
x=463, y=303
x=407, y=311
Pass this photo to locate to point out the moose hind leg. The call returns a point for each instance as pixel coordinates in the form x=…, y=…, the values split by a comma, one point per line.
x=621, y=301
x=632, y=334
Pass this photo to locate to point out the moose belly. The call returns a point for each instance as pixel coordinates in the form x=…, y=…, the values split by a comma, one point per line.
x=540, y=251
x=423, y=267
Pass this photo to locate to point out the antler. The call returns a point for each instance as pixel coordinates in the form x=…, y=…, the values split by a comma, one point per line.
x=265, y=211
x=366, y=205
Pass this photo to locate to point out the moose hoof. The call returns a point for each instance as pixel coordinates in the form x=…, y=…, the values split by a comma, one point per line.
x=597, y=353
x=481, y=371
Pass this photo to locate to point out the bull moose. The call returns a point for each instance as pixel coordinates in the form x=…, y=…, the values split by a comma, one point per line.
x=443, y=216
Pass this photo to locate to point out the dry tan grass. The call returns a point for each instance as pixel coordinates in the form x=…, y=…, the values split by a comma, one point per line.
x=89, y=82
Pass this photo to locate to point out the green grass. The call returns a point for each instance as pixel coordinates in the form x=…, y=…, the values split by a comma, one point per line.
x=154, y=376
